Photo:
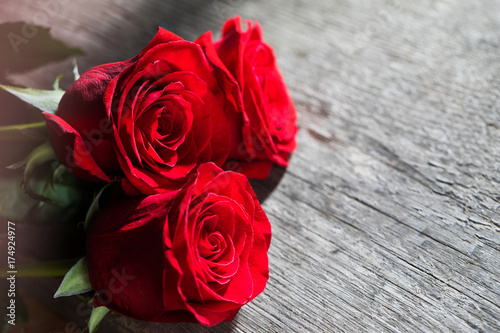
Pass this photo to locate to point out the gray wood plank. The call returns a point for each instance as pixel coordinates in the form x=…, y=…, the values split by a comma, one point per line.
x=388, y=218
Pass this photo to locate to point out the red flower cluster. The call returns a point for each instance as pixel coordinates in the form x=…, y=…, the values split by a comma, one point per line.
x=164, y=123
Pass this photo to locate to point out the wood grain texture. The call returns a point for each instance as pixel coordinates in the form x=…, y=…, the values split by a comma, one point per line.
x=388, y=218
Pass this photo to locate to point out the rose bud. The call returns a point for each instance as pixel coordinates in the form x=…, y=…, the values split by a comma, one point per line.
x=150, y=120
x=267, y=123
x=197, y=256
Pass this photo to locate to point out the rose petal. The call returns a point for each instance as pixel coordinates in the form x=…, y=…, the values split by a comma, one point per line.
x=71, y=149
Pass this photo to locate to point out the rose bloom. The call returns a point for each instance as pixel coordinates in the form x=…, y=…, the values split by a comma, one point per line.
x=264, y=131
x=150, y=120
x=197, y=256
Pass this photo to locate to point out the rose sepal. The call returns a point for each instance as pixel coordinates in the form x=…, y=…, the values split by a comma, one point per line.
x=76, y=281
x=45, y=100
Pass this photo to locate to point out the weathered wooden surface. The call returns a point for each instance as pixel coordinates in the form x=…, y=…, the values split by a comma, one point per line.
x=388, y=218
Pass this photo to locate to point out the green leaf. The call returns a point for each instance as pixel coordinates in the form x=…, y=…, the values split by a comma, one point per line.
x=45, y=100
x=58, y=174
x=23, y=132
x=76, y=73
x=37, y=158
x=73, y=194
x=24, y=138
x=17, y=165
x=98, y=203
x=96, y=317
x=76, y=281
x=55, y=85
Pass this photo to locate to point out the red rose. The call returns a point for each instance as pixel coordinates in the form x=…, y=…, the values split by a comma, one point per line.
x=150, y=120
x=81, y=134
x=268, y=120
x=197, y=256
